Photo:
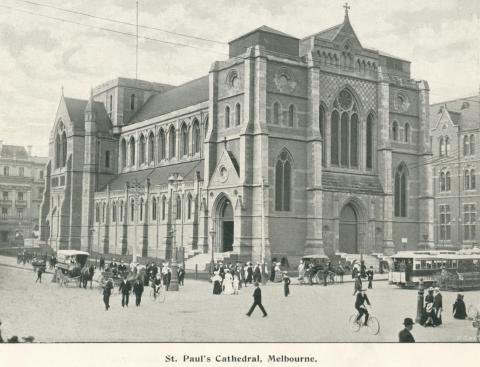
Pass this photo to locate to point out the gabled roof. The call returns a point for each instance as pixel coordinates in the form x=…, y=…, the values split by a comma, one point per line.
x=330, y=33
x=464, y=112
x=188, y=94
x=76, y=109
x=9, y=151
x=266, y=29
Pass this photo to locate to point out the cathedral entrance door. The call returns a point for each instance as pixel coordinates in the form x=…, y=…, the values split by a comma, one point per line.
x=227, y=226
x=348, y=236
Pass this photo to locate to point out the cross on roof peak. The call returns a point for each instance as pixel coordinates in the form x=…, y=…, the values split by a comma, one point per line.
x=346, y=7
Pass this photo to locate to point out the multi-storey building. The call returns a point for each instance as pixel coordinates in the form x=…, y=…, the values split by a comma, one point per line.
x=22, y=181
x=290, y=147
x=455, y=137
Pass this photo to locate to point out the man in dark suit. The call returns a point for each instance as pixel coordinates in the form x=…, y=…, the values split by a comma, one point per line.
x=257, y=301
x=125, y=288
x=370, y=277
x=405, y=336
x=138, y=290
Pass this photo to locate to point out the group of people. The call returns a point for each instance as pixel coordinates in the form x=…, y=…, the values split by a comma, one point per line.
x=433, y=307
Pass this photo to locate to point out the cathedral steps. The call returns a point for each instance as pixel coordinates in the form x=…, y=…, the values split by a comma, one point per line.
x=202, y=260
x=369, y=260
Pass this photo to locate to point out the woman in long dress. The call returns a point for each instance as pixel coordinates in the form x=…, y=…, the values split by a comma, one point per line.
x=228, y=283
x=217, y=283
x=278, y=273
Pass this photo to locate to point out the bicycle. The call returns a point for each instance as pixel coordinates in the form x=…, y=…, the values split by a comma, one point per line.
x=373, y=325
x=157, y=294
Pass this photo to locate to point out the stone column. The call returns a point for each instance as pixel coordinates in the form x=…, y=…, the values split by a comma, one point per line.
x=385, y=162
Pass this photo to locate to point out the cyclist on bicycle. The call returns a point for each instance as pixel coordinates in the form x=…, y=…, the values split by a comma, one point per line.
x=156, y=284
x=360, y=305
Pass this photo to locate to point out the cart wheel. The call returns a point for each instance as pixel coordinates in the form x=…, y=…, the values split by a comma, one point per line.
x=353, y=323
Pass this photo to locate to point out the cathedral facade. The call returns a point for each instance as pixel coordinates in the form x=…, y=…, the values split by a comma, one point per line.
x=290, y=147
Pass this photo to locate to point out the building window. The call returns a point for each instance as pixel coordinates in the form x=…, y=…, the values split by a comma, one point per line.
x=369, y=147
x=321, y=126
x=141, y=209
x=345, y=131
x=114, y=212
x=41, y=175
x=445, y=219
x=466, y=145
x=4, y=213
x=189, y=207
x=21, y=171
x=161, y=145
x=179, y=207
x=206, y=127
x=40, y=193
x=196, y=136
x=227, y=117
x=407, y=133
x=5, y=195
x=123, y=153
x=472, y=144
x=19, y=212
x=97, y=213
x=276, y=113
x=107, y=159
x=291, y=115
x=20, y=196
x=184, y=140
x=151, y=148
x=142, y=151
x=154, y=209
x=110, y=104
x=469, y=218
x=401, y=191
x=283, y=171
x=172, y=142
x=132, y=151
x=164, y=207
x=238, y=111
x=132, y=210
x=447, y=145
x=445, y=181
x=469, y=179
x=6, y=171
x=132, y=102
x=395, y=131
x=441, y=147
x=104, y=216
x=121, y=211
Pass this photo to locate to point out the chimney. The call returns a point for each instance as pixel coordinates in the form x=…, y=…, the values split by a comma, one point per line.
x=29, y=150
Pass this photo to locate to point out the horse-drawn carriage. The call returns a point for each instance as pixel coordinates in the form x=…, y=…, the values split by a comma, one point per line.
x=71, y=267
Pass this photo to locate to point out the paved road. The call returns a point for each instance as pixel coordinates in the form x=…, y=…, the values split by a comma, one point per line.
x=310, y=314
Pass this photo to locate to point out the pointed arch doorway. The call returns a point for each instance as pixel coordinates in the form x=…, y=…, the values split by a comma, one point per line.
x=224, y=225
x=348, y=232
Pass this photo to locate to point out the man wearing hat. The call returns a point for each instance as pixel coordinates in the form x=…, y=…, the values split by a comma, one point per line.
x=286, y=284
x=257, y=301
x=405, y=336
x=360, y=305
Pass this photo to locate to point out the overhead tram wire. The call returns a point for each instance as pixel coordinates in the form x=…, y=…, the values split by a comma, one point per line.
x=120, y=22
x=111, y=30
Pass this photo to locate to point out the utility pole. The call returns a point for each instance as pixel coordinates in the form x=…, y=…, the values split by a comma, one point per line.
x=136, y=47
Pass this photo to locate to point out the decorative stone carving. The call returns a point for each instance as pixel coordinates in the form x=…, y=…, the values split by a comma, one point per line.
x=401, y=102
x=233, y=80
x=223, y=173
x=284, y=80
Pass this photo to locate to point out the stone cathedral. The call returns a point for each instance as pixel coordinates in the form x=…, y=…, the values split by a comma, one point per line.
x=290, y=147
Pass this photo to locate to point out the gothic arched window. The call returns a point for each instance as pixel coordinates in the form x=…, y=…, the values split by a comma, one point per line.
x=189, y=206
x=142, y=150
x=276, y=113
x=321, y=126
x=179, y=207
x=184, y=140
x=164, y=207
x=131, y=146
x=369, y=146
x=466, y=145
x=472, y=144
x=442, y=147
x=238, y=115
x=401, y=191
x=227, y=117
x=407, y=133
x=205, y=127
x=447, y=181
x=172, y=141
x=64, y=149
x=132, y=210
x=57, y=151
x=121, y=211
x=123, y=153
x=114, y=212
x=154, y=208
x=466, y=180
x=151, y=148
x=103, y=212
x=283, y=173
x=291, y=115
x=161, y=145
x=97, y=213
x=395, y=131
x=196, y=136
x=132, y=102
x=345, y=131
x=447, y=145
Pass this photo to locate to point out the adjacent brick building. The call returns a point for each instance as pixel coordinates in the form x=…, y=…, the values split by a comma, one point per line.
x=289, y=147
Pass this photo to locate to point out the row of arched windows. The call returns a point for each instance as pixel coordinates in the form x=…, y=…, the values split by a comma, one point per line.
x=60, y=149
x=147, y=145
x=468, y=145
x=468, y=180
x=277, y=117
x=345, y=60
x=237, y=118
x=396, y=132
x=118, y=209
x=445, y=181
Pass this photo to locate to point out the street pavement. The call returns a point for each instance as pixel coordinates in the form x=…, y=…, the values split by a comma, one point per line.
x=316, y=313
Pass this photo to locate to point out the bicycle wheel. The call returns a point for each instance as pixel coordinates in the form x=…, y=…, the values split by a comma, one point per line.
x=373, y=325
x=161, y=297
x=473, y=312
x=353, y=323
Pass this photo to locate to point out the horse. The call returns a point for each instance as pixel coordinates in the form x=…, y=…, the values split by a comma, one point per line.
x=86, y=275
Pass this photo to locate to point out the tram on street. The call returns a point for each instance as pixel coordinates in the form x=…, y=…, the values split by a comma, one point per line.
x=450, y=270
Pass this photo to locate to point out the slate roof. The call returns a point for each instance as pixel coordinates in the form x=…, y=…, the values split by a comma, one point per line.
x=463, y=111
x=158, y=175
x=76, y=111
x=266, y=29
x=188, y=94
x=352, y=183
x=329, y=33
x=9, y=151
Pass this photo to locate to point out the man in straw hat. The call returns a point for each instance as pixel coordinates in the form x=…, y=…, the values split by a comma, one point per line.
x=405, y=336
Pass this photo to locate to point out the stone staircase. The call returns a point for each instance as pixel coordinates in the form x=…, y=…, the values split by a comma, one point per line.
x=202, y=261
x=369, y=260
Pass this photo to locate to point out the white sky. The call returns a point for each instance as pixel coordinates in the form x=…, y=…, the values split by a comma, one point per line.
x=39, y=55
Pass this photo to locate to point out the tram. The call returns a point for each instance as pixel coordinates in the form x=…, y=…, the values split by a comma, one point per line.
x=450, y=270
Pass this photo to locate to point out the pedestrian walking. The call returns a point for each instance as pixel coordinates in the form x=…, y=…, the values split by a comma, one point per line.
x=357, y=287
x=257, y=301
x=438, y=306
x=272, y=272
x=107, y=292
x=370, y=277
x=102, y=264
x=138, y=290
x=236, y=283
x=459, y=308
x=168, y=278
x=125, y=287
x=217, y=283
x=405, y=336
x=286, y=284
x=181, y=275
x=39, y=274
x=340, y=272
x=257, y=274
